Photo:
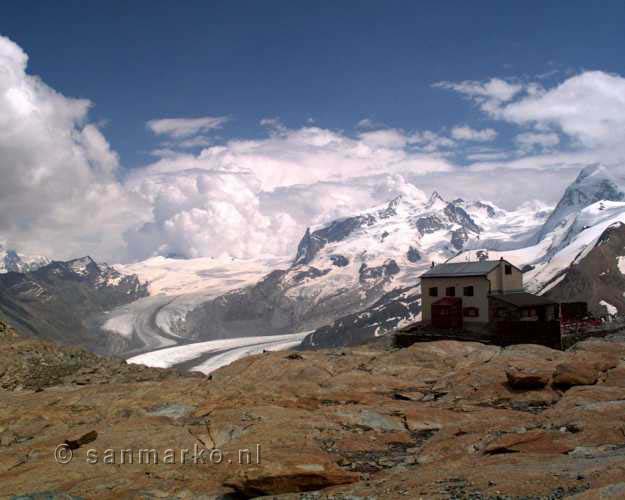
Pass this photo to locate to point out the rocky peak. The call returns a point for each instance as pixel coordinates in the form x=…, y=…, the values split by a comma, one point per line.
x=83, y=266
x=337, y=230
x=594, y=183
x=460, y=216
x=435, y=201
x=11, y=261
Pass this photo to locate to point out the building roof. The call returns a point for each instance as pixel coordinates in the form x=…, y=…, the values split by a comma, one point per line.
x=477, y=268
x=524, y=299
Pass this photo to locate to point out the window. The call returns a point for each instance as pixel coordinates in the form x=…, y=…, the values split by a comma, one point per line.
x=471, y=312
x=508, y=268
x=450, y=291
x=467, y=291
x=433, y=291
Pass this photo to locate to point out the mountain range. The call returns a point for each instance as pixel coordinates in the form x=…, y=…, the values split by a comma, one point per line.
x=349, y=280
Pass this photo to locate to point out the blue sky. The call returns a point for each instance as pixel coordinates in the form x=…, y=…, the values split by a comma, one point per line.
x=134, y=129
x=335, y=62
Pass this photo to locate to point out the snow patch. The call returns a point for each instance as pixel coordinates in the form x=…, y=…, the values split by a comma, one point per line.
x=122, y=325
x=621, y=264
x=612, y=311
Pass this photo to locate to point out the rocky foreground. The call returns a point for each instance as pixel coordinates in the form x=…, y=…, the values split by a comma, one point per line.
x=436, y=420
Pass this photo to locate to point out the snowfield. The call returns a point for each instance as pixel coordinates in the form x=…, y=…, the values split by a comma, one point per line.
x=212, y=276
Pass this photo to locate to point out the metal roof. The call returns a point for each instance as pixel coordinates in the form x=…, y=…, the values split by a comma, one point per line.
x=524, y=299
x=478, y=268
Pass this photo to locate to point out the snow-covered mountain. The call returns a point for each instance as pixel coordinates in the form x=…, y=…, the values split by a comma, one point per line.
x=11, y=261
x=351, y=270
x=358, y=276
x=412, y=233
x=589, y=207
x=593, y=184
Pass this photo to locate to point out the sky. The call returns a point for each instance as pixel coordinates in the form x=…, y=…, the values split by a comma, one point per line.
x=132, y=129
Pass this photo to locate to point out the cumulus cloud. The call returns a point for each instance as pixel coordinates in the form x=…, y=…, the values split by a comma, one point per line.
x=206, y=213
x=466, y=133
x=185, y=127
x=260, y=195
x=61, y=193
x=58, y=190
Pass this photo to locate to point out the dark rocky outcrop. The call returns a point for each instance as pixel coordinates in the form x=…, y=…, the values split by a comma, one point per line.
x=389, y=268
x=413, y=255
x=595, y=277
x=339, y=260
x=458, y=238
x=56, y=301
x=383, y=316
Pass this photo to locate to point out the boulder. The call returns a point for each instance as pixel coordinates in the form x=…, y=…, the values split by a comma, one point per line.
x=536, y=441
x=282, y=478
x=573, y=373
x=527, y=377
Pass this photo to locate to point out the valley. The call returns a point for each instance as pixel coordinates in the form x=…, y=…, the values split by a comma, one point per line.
x=350, y=280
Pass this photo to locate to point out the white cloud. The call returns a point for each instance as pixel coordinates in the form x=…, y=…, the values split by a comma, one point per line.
x=245, y=198
x=589, y=107
x=531, y=140
x=385, y=138
x=194, y=142
x=60, y=194
x=273, y=123
x=430, y=142
x=488, y=156
x=466, y=133
x=185, y=127
x=206, y=213
x=489, y=94
x=58, y=189
x=305, y=156
x=369, y=124
x=574, y=123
